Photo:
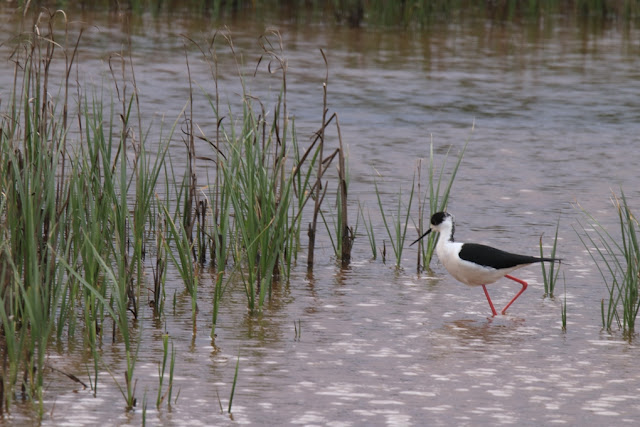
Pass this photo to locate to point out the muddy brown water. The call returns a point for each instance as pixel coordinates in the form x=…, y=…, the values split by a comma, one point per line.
x=555, y=111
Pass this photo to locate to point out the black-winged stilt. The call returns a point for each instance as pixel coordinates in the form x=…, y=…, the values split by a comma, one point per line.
x=474, y=264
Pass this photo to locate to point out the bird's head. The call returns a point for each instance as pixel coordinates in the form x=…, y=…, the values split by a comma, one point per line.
x=439, y=221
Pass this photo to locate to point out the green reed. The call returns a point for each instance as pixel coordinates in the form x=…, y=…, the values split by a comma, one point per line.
x=261, y=184
x=59, y=201
x=162, y=367
x=342, y=235
x=91, y=207
x=144, y=409
x=233, y=386
x=218, y=191
x=33, y=221
x=563, y=308
x=261, y=207
x=397, y=231
x=183, y=261
x=160, y=269
x=618, y=261
x=368, y=227
x=119, y=308
x=88, y=225
x=438, y=198
x=550, y=276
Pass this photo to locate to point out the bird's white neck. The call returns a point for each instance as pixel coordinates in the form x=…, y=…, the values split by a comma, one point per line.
x=445, y=239
x=447, y=229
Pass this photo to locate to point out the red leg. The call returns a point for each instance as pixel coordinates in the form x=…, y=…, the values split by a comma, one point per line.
x=489, y=299
x=524, y=287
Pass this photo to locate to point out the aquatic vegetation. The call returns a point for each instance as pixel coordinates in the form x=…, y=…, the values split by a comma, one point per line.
x=397, y=231
x=618, y=261
x=83, y=220
x=420, y=13
x=437, y=198
x=550, y=276
x=162, y=371
x=344, y=235
x=233, y=385
x=183, y=261
x=98, y=221
x=563, y=307
x=368, y=227
x=297, y=328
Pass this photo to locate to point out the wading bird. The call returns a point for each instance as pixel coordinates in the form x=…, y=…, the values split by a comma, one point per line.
x=474, y=264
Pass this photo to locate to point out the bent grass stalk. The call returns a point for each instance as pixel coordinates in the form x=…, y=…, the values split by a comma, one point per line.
x=344, y=234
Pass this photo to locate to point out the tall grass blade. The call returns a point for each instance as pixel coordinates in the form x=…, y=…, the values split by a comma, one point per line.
x=550, y=276
x=397, y=232
x=438, y=199
x=233, y=386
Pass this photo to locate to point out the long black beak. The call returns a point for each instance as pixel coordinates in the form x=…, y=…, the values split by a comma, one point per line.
x=421, y=237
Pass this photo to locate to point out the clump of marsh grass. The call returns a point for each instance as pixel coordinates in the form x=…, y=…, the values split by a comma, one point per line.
x=82, y=222
x=438, y=198
x=396, y=227
x=618, y=261
x=264, y=180
x=183, y=246
x=34, y=217
x=259, y=189
x=59, y=201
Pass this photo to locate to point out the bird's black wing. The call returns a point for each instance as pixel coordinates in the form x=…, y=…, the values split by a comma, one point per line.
x=494, y=258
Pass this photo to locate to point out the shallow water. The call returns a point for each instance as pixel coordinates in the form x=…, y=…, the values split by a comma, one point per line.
x=555, y=112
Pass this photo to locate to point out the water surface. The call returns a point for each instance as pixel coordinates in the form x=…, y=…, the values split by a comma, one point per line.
x=553, y=114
